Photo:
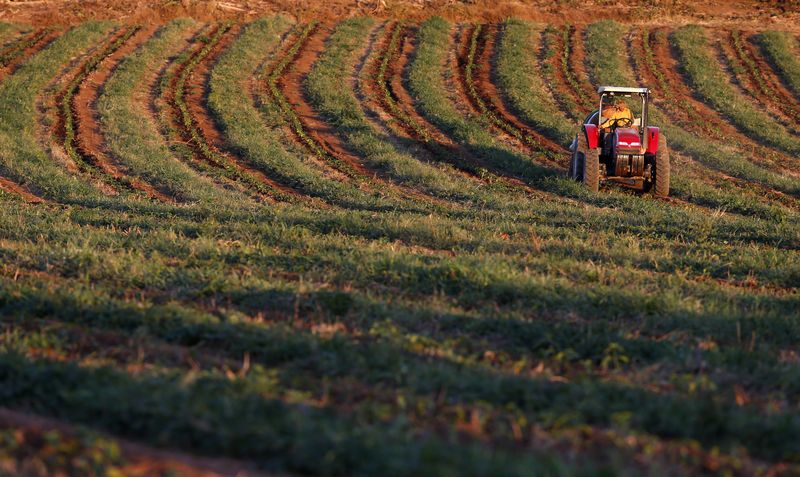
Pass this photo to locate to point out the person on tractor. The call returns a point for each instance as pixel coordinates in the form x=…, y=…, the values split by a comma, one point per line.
x=615, y=114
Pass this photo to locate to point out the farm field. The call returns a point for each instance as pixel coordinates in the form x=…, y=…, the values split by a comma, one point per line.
x=282, y=246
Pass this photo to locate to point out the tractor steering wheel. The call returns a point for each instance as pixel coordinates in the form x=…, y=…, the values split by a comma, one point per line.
x=623, y=122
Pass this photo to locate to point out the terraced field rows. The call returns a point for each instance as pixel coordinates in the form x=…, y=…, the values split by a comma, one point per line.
x=351, y=249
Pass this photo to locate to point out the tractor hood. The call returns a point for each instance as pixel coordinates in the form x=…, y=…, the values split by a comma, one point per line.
x=627, y=138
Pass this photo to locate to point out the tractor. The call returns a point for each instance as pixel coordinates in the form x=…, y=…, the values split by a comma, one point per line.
x=623, y=150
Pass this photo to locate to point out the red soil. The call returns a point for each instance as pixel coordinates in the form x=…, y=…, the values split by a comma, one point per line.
x=321, y=132
x=437, y=145
x=577, y=61
x=89, y=136
x=31, y=50
x=14, y=188
x=493, y=98
x=754, y=13
x=196, y=94
x=561, y=85
x=140, y=460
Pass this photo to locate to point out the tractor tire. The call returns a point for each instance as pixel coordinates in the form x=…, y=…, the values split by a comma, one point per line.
x=578, y=158
x=661, y=182
x=590, y=175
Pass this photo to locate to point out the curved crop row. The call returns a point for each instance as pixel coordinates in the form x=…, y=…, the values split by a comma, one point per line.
x=781, y=48
x=427, y=84
x=520, y=83
x=22, y=159
x=67, y=108
x=490, y=112
x=340, y=106
x=744, y=65
x=16, y=49
x=227, y=166
x=708, y=80
x=129, y=132
x=290, y=115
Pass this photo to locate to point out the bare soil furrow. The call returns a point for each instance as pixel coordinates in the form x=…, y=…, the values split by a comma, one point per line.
x=395, y=102
x=586, y=89
x=474, y=73
x=491, y=99
x=24, y=48
x=63, y=130
x=319, y=136
x=314, y=131
x=89, y=138
x=12, y=187
x=203, y=131
x=554, y=63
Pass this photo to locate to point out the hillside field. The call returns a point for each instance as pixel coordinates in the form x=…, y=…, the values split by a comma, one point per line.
x=348, y=247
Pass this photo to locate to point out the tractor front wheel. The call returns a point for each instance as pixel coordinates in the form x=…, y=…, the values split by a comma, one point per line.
x=661, y=182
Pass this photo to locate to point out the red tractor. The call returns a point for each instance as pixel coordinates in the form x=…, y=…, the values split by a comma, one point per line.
x=614, y=146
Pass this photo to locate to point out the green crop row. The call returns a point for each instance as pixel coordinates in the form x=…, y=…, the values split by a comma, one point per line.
x=567, y=67
x=340, y=107
x=288, y=112
x=519, y=81
x=754, y=72
x=227, y=167
x=133, y=138
x=781, y=50
x=18, y=47
x=66, y=107
x=472, y=91
x=22, y=159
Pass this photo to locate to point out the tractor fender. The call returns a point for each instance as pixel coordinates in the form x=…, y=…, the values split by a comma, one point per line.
x=652, y=139
x=592, y=136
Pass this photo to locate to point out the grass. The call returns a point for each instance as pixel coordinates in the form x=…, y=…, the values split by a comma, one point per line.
x=257, y=134
x=340, y=106
x=561, y=333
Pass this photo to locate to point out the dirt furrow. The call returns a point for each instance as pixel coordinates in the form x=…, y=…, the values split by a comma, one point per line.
x=12, y=187
x=24, y=48
x=319, y=136
x=309, y=127
x=386, y=83
x=554, y=64
x=469, y=48
x=576, y=63
x=89, y=139
x=62, y=133
x=202, y=131
x=492, y=101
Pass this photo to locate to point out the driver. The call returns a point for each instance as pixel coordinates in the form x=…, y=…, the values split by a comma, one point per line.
x=615, y=113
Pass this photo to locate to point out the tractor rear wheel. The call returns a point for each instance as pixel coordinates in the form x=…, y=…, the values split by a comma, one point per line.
x=576, y=159
x=590, y=170
x=661, y=182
